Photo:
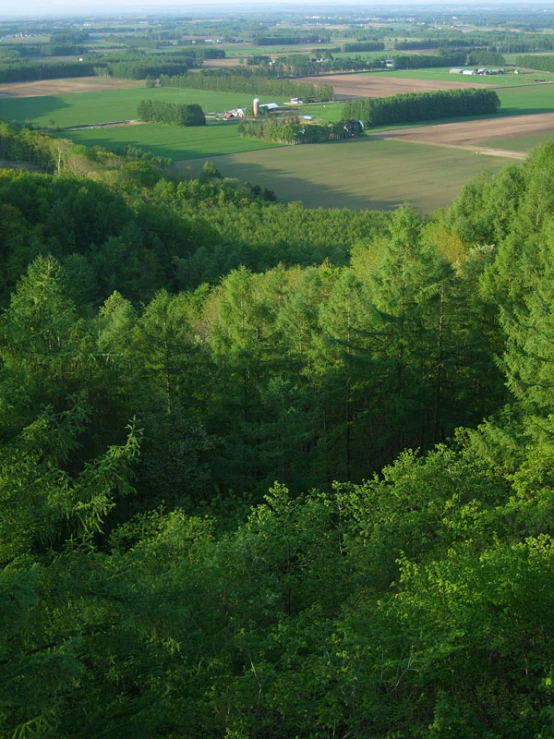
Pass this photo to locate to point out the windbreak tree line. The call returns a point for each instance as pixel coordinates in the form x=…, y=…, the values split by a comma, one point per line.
x=172, y=113
x=294, y=132
x=158, y=582
x=543, y=63
x=363, y=46
x=409, y=107
x=250, y=84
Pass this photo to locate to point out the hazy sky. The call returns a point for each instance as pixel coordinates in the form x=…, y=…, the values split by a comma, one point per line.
x=77, y=8
x=49, y=8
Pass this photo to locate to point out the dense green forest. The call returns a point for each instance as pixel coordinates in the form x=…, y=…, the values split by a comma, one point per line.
x=268, y=471
x=176, y=114
x=422, y=106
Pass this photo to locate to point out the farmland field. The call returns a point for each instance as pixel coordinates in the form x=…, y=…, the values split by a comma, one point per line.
x=110, y=105
x=365, y=173
x=474, y=132
x=63, y=86
x=522, y=143
x=440, y=74
x=381, y=84
x=529, y=99
x=175, y=142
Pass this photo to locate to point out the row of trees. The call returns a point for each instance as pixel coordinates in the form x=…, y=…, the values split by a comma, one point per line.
x=23, y=70
x=409, y=107
x=544, y=63
x=443, y=58
x=129, y=66
x=295, y=132
x=352, y=46
x=299, y=38
x=176, y=114
x=252, y=85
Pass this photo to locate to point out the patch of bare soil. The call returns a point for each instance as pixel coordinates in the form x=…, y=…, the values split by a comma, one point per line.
x=230, y=61
x=115, y=124
x=351, y=86
x=471, y=133
x=62, y=87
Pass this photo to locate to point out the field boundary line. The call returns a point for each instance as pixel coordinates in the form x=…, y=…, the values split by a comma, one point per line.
x=485, y=151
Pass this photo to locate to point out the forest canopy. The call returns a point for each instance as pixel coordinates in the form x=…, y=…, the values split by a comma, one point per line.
x=273, y=472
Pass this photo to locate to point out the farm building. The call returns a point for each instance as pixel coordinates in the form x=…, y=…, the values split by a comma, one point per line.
x=233, y=114
x=469, y=71
x=296, y=101
x=456, y=70
x=270, y=107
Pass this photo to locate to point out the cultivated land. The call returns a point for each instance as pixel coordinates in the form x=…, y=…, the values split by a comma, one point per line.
x=470, y=133
x=351, y=86
x=65, y=86
x=107, y=106
x=440, y=74
x=173, y=142
x=520, y=145
x=365, y=173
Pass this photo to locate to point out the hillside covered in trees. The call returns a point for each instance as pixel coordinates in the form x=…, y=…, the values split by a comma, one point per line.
x=268, y=471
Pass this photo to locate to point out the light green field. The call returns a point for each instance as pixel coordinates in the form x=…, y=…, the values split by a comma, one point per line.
x=81, y=109
x=366, y=173
x=175, y=142
x=523, y=143
x=441, y=74
x=529, y=99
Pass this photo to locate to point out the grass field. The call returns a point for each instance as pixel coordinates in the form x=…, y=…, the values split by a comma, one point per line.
x=441, y=74
x=109, y=105
x=174, y=142
x=366, y=173
x=528, y=99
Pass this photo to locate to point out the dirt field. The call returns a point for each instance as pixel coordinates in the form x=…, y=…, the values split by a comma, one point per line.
x=230, y=61
x=471, y=133
x=62, y=87
x=351, y=86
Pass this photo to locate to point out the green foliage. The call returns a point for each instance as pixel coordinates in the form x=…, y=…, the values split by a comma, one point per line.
x=544, y=63
x=197, y=572
x=422, y=106
x=231, y=81
x=294, y=132
x=172, y=113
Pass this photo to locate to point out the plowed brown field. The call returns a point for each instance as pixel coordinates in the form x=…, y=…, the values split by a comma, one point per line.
x=351, y=86
x=469, y=133
x=62, y=87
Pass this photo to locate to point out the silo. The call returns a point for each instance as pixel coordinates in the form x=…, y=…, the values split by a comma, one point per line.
x=256, y=107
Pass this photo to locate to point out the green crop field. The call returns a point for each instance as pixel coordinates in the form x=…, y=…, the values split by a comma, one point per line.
x=532, y=99
x=366, y=173
x=441, y=74
x=522, y=143
x=81, y=109
x=174, y=142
